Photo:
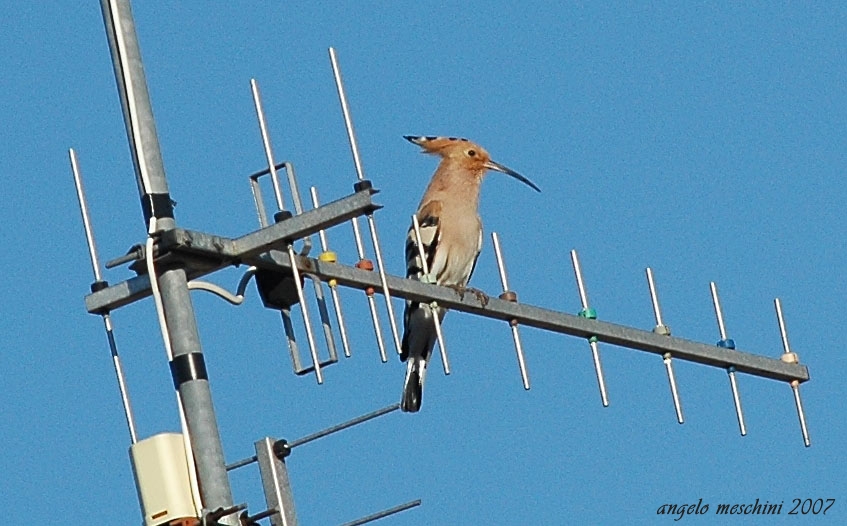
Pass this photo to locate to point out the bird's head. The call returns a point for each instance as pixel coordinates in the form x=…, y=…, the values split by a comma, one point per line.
x=465, y=154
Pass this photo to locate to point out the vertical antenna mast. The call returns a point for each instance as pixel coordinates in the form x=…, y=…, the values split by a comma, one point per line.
x=187, y=367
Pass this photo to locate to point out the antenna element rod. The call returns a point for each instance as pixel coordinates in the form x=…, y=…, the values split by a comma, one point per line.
x=661, y=328
x=433, y=307
x=728, y=343
x=508, y=294
x=592, y=342
x=791, y=357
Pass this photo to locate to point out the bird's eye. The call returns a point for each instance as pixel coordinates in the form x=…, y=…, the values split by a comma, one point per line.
x=471, y=153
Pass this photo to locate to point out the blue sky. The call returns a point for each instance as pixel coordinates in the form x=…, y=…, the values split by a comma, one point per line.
x=705, y=141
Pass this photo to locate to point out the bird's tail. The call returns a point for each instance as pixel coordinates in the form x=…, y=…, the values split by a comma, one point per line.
x=413, y=385
x=416, y=348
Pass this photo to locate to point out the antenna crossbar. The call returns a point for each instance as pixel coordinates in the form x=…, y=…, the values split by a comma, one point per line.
x=209, y=253
x=560, y=322
x=529, y=315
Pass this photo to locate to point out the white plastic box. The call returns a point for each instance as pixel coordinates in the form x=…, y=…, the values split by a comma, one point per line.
x=161, y=477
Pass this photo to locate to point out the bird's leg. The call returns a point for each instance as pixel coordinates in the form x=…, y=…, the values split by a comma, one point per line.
x=462, y=289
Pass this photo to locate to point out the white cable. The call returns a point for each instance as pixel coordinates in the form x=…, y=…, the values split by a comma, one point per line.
x=130, y=97
x=235, y=299
x=163, y=324
x=154, y=286
x=217, y=290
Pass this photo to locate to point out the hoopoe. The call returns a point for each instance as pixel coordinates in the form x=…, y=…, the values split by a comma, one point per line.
x=451, y=234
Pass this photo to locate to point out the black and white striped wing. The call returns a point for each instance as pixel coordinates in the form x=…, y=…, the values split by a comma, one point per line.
x=430, y=236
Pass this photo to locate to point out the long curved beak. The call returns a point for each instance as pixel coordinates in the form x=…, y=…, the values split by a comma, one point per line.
x=497, y=167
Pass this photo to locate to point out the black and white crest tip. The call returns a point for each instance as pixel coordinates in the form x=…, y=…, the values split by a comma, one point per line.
x=421, y=139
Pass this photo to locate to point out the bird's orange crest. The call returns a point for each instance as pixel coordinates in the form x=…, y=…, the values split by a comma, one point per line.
x=468, y=154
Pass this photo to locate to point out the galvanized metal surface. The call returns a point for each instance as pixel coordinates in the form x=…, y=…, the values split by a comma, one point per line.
x=215, y=252
x=554, y=321
x=153, y=190
x=383, y=514
x=529, y=315
x=275, y=483
x=107, y=319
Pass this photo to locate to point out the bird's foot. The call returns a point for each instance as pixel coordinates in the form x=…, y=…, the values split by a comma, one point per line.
x=481, y=296
x=461, y=290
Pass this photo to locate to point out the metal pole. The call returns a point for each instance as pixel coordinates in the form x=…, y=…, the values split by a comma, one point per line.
x=661, y=328
x=276, y=484
x=433, y=307
x=248, y=250
x=333, y=286
x=348, y=123
x=510, y=296
x=189, y=371
x=266, y=142
x=98, y=281
x=790, y=357
x=728, y=343
x=360, y=249
x=345, y=425
x=587, y=312
x=384, y=514
x=187, y=367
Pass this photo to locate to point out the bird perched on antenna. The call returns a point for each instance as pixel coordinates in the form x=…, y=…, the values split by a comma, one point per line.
x=451, y=235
